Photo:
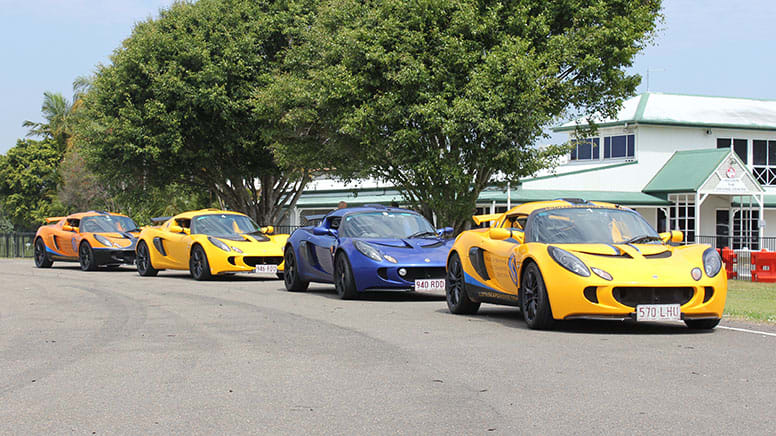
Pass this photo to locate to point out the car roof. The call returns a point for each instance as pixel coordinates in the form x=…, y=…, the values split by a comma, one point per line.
x=79, y=215
x=193, y=213
x=368, y=208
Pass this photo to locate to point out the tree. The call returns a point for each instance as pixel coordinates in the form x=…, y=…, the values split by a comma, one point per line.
x=28, y=183
x=175, y=105
x=443, y=98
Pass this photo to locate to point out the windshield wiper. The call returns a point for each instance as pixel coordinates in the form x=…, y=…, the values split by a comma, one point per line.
x=642, y=238
x=419, y=234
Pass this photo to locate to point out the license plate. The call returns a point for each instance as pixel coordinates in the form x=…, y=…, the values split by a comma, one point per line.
x=266, y=269
x=430, y=285
x=658, y=312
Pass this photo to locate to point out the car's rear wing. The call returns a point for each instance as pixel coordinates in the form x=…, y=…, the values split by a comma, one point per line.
x=479, y=219
x=53, y=219
x=160, y=219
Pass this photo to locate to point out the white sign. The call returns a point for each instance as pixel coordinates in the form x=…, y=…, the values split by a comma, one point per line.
x=430, y=285
x=731, y=186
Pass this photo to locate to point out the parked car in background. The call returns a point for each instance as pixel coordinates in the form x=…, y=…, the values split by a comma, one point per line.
x=368, y=248
x=91, y=238
x=573, y=259
x=210, y=242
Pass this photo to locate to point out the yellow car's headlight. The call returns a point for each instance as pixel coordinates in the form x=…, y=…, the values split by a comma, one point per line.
x=568, y=261
x=218, y=243
x=712, y=263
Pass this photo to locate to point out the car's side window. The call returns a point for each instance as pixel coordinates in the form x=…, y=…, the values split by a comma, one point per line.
x=334, y=222
x=183, y=222
x=73, y=222
x=515, y=222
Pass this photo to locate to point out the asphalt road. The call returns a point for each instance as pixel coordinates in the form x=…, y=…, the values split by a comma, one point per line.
x=114, y=353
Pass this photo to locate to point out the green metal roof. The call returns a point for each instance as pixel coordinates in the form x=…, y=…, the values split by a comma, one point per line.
x=686, y=170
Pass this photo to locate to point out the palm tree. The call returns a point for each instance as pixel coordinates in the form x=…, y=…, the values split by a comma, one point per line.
x=59, y=114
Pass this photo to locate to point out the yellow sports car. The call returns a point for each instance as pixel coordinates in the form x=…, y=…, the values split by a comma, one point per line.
x=210, y=242
x=573, y=259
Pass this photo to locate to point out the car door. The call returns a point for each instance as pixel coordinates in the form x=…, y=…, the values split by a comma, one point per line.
x=323, y=246
x=496, y=254
x=178, y=245
x=65, y=241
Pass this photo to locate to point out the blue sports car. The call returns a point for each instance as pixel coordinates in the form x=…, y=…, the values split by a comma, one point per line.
x=368, y=248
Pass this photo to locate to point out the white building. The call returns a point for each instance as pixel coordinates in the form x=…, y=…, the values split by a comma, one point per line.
x=703, y=165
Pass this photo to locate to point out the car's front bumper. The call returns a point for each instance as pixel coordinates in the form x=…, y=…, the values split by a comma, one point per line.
x=387, y=276
x=112, y=256
x=243, y=263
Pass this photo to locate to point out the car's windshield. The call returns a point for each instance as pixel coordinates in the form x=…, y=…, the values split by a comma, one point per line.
x=385, y=224
x=107, y=224
x=226, y=224
x=589, y=226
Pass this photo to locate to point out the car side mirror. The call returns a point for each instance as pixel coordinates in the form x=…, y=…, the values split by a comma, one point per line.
x=176, y=228
x=518, y=236
x=268, y=230
x=69, y=228
x=674, y=236
x=445, y=231
x=499, y=234
x=322, y=231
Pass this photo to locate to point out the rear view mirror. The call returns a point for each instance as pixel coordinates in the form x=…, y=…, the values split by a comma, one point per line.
x=674, y=236
x=175, y=228
x=445, y=231
x=322, y=231
x=268, y=230
x=69, y=228
x=499, y=234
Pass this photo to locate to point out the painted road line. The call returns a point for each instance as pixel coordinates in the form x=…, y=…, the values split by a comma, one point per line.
x=747, y=330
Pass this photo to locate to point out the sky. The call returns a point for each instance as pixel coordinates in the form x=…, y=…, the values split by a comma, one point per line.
x=705, y=47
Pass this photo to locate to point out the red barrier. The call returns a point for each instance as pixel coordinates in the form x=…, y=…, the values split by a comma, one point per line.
x=730, y=259
x=764, y=266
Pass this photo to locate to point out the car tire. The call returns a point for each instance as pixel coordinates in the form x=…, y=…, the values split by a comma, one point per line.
x=42, y=259
x=143, y=261
x=534, y=302
x=86, y=257
x=291, y=272
x=702, y=324
x=343, y=278
x=458, y=300
x=199, y=267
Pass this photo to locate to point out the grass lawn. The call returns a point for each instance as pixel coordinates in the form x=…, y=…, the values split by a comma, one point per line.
x=751, y=301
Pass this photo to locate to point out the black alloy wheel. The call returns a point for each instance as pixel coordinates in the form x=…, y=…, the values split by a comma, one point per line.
x=86, y=257
x=534, y=302
x=41, y=257
x=458, y=300
x=291, y=273
x=143, y=261
x=199, y=267
x=343, y=278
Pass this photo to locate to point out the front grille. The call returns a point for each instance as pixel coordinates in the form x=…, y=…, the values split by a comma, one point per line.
x=644, y=295
x=423, y=272
x=262, y=260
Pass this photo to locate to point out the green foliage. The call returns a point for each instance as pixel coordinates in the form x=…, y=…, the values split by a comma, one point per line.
x=175, y=105
x=442, y=97
x=751, y=301
x=28, y=183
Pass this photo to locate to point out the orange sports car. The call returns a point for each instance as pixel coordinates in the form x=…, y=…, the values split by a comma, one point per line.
x=90, y=238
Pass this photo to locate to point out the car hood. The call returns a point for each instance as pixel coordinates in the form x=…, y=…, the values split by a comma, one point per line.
x=656, y=265
x=251, y=246
x=416, y=250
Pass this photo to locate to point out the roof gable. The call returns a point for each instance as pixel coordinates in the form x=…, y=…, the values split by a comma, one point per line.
x=688, y=171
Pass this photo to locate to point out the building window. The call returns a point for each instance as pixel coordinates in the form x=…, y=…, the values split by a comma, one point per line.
x=739, y=146
x=586, y=149
x=764, y=161
x=682, y=215
x=746, y=229
x=621, y=146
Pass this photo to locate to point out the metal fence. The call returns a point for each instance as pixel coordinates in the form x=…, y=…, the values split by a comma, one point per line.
x=19, y=244
x=16, y=244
